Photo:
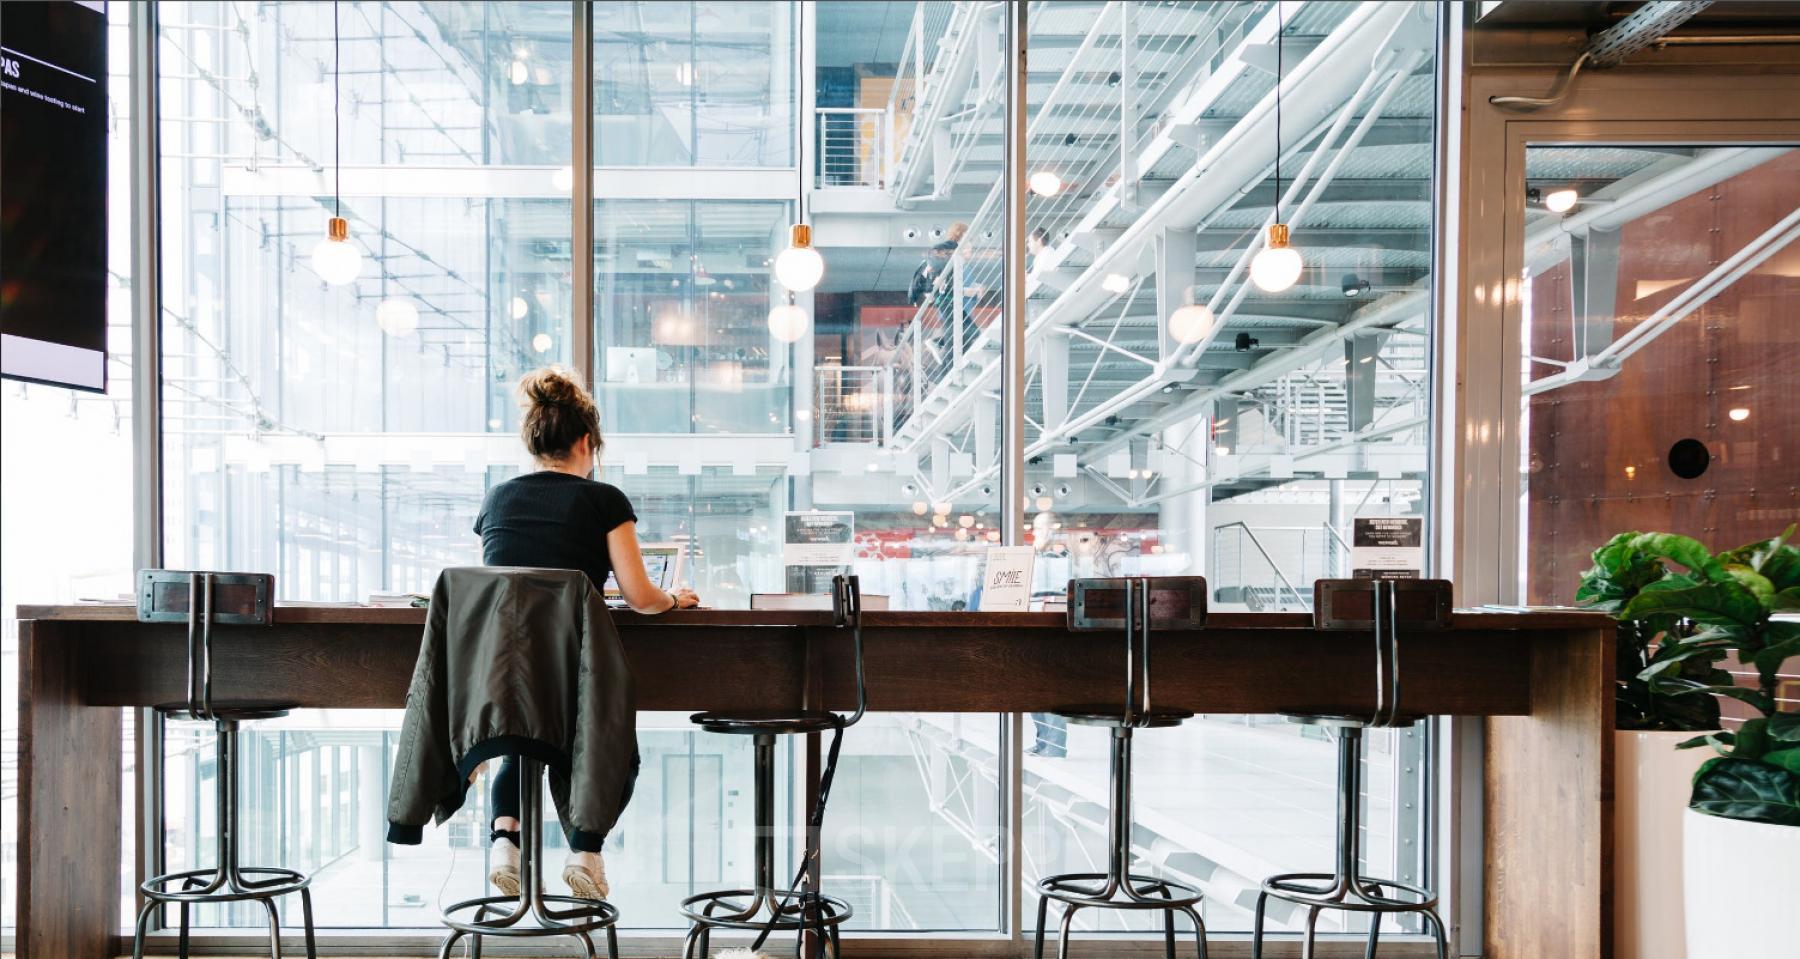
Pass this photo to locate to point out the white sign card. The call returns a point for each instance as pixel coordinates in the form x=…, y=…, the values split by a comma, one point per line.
x=819, y=539
x=1387, y=547
x=1006, y=585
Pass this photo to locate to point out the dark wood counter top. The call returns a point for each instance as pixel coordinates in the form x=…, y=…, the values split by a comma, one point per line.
x=1543, y=680
x=351, y=615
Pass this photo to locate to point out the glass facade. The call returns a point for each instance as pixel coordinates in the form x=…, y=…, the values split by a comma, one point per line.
x=341, y=436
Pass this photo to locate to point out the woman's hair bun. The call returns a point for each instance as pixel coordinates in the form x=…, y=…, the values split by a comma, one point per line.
x=551, y=386
x=558, y=412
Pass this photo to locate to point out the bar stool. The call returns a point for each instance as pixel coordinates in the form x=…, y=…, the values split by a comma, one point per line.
x=1380, y=606
x=168, y=596
x=1136, y=607
x=585, y=917
x=765, y=906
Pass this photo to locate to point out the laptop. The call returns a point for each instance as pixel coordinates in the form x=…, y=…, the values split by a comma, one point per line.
x=662, y=561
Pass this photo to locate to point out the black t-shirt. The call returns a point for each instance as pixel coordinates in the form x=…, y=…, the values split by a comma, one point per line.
x=552, y=520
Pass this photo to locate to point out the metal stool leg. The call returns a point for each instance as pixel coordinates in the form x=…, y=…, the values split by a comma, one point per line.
x=143, y=926
x=1374, y=935
x=1438, y=935
x=450, y=943
x=1043, y=916
x=274, y=928
x=1312, y=922
x=1062, y=931
x=1256, y=925
x=312, y=947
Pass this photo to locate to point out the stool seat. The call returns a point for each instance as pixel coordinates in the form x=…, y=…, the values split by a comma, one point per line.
x=236, y=710
x=750, y=722
x=1092, y=714
x=1347, y=720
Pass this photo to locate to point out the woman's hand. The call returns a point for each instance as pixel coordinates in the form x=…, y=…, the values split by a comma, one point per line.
x=684, y=598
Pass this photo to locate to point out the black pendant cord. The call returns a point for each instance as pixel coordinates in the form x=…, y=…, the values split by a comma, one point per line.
x=1279, y=29
x=337, y=109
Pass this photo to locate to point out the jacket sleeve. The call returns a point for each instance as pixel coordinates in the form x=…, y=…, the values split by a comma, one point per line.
x=603, y=760
x=424, y=771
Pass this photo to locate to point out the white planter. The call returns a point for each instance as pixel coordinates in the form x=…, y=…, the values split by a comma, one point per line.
x=1651, y=783
x=1742, y=887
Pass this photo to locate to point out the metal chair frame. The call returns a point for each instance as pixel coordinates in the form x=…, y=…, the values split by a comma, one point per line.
x=1119, y=887
x=228, y=880
x=586, y=916
x=766, y=907
x=1346, y=888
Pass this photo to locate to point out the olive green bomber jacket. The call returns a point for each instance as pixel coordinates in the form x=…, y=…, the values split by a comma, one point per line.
x=516, y=662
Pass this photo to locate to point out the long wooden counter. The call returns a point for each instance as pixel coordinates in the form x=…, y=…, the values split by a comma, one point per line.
x=1544, y=679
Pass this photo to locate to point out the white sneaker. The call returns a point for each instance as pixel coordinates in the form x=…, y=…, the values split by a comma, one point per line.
x=503, y=873
x=585, y=875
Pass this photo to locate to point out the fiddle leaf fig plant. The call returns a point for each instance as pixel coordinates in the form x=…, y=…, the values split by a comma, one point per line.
x=1699, y=611
x=1620, y=572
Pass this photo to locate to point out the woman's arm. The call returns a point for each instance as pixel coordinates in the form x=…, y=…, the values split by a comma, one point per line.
x=628, y=567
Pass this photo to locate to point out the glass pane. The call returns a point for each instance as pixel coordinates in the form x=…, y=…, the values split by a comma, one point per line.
x=1184, y=418
x=341, y=435
x=694, y=84
x=62, y=555
x=720, y=423
x=1658, y=353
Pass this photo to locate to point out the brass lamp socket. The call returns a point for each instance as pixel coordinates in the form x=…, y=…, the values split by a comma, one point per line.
x=802, y=236
x=337, y=228
x=1278, y=236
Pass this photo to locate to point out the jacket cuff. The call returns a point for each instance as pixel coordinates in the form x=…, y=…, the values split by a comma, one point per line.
x=404, y=835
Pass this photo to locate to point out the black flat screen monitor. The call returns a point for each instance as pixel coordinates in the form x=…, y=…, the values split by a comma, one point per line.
x=53, y=193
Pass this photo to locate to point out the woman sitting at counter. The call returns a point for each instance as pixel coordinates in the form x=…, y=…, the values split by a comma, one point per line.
x=559, y=518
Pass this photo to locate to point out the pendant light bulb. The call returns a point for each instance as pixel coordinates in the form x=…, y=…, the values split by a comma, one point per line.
x=1278, y=266
x=336, y=259
x=397, y=316
x=1191, y=323
x=787, y=323
x=800, y=267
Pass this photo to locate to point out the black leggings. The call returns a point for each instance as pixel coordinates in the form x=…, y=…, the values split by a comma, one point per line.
x=503, y=799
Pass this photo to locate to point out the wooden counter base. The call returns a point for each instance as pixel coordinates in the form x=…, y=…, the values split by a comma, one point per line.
x=1545, y=678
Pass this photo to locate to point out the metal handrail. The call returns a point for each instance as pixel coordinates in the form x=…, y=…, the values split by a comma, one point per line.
x=1245, y=530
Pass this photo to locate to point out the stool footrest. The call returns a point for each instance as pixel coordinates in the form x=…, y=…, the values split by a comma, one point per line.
x=752, y=910
x=1350, y=893
x=238, y=887
x=587, y=915
x=1137, y=891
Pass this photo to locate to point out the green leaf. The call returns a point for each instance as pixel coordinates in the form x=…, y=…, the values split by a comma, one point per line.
x=1753, y=791
x=1752, y=740
x=1750, y=579
x=1782, y=567
x=1784, y=728
x=1768, y=660
x=1787, y=599
x=1788, y=759
x=1695, y=743
x=1684, y=550
x=1726, y=603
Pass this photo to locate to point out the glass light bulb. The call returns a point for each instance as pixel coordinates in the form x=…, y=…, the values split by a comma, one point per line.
x=1115, y=283
x=1275, y=269
x=787, y=322
x=542, y=342
x=337, y=261
x=799, y=268
x=1045, y=183
x=1560, y=201
x=397, y=316
x=1191, y=323
x=519, y=72
x=919, y=509
x=519, y=307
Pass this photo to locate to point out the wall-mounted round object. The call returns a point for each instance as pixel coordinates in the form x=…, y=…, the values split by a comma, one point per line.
x=1689, y=458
